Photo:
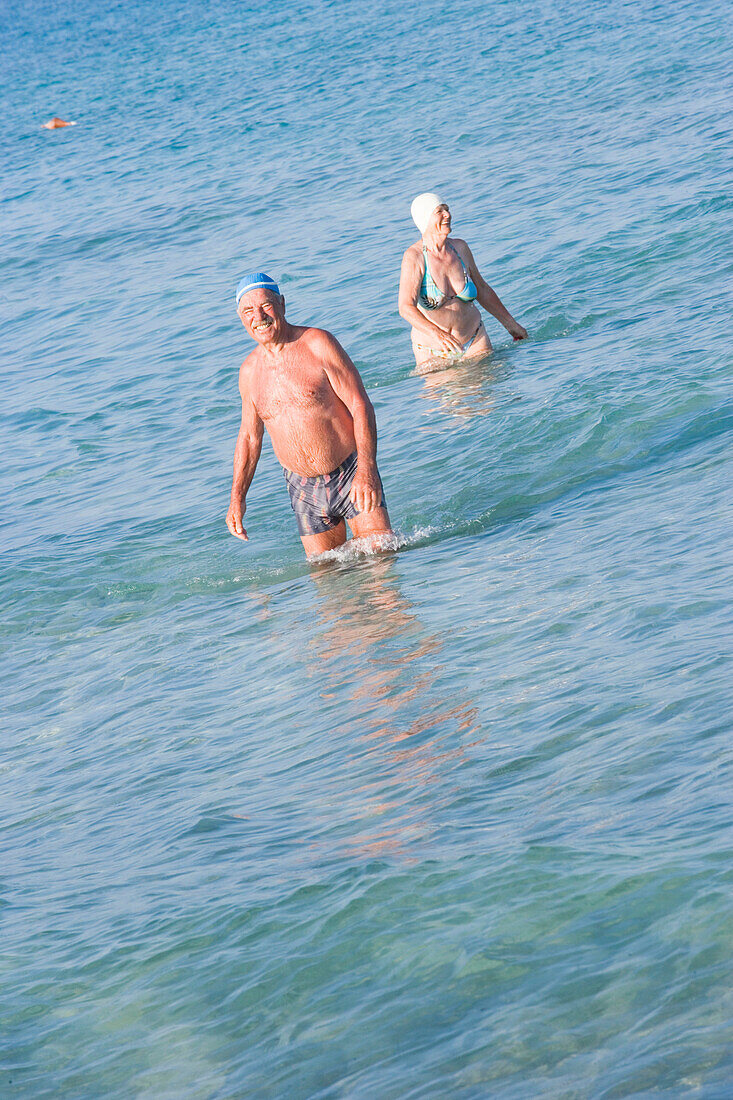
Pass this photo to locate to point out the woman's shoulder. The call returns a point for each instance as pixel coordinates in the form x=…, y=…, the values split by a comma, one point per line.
x=461, y=246
x=413, y=254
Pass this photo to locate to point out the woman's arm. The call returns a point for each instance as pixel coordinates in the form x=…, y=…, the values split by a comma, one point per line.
x=411, y=277
x=489, y=299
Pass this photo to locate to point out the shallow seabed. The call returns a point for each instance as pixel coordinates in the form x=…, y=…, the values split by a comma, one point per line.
x=450, y=822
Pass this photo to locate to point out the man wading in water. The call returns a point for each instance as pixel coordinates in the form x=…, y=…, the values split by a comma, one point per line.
x=300, y=384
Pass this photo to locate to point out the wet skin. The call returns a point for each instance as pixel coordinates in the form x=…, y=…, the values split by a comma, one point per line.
x=301, y=386
x=443, y=332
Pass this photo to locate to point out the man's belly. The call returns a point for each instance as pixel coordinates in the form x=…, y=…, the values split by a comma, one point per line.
x=311, y=445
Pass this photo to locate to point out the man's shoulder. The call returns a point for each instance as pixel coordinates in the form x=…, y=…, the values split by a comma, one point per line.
x=321, y=346
x=250, y=361
x=313, y=337
x=248, y=367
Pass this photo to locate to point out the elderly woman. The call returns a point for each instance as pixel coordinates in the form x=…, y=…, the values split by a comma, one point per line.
x=441, y=287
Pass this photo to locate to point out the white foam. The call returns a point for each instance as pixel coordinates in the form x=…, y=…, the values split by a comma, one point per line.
x=355, y=549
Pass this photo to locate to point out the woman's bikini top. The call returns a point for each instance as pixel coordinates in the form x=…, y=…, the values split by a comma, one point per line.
x=432, y=297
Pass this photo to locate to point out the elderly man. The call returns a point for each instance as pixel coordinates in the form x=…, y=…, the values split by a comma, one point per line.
x=300, y=384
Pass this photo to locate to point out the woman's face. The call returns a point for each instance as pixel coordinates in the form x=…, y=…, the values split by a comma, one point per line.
x=441, y=219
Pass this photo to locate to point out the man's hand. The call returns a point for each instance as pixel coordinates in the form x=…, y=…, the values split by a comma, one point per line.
x=234, y=520
x=366, y=492
x=516, y=331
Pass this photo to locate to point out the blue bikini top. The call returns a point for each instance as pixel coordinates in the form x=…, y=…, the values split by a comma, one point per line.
x=432, y=297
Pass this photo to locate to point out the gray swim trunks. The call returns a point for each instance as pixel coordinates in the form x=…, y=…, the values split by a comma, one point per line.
x=320, y=503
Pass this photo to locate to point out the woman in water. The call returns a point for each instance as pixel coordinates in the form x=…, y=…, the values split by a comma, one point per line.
x=440, y=288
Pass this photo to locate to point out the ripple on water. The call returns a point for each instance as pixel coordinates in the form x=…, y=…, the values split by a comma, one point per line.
x=450, y=819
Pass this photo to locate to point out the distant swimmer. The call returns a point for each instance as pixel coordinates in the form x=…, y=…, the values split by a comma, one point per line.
x=56, y=124
x=300, y=384
x=441, y=287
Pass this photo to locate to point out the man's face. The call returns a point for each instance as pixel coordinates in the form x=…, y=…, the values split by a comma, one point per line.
x=263, y=314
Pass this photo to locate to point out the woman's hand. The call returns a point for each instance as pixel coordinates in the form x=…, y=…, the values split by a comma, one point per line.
x=449, y=343
x=516, y=330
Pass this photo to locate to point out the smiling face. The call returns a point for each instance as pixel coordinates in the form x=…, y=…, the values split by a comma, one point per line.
x=263, y=314
x=440, y=221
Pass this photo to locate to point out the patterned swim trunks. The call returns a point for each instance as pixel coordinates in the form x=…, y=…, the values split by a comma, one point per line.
x=320, y=503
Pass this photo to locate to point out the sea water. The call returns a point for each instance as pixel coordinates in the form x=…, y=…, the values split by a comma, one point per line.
x=450, y=822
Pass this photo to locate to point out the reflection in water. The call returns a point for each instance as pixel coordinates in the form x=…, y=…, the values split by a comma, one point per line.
x=407, y=738
x=462, y=387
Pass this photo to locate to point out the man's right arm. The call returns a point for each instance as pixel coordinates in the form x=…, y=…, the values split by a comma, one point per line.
x=246, y=457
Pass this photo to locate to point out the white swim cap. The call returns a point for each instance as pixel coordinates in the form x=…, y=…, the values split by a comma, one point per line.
x=423, y=207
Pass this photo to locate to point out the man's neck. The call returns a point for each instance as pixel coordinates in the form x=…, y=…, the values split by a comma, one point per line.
x=275, y=348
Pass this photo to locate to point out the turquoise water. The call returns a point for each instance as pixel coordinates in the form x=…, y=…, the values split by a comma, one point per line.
x=454, y=822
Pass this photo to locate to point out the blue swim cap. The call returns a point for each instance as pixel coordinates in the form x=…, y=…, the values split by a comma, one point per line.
x=254, y=281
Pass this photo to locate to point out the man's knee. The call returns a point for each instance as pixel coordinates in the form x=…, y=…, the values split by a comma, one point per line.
x=375, y=522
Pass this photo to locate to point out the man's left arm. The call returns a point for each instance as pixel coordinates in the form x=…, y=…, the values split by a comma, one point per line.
x=366, y=490
x=489, y=299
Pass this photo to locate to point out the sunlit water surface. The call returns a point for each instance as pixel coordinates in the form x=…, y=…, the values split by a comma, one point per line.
x=452, y=822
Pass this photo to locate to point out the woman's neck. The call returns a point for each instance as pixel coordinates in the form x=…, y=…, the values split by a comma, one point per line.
x=435, y=242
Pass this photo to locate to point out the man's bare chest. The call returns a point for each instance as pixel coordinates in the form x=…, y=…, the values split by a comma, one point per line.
x=285, y=392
